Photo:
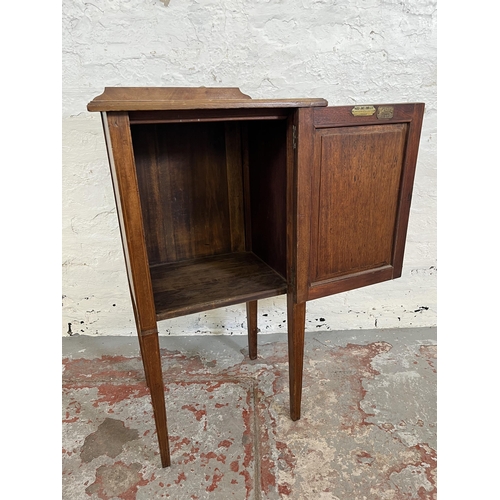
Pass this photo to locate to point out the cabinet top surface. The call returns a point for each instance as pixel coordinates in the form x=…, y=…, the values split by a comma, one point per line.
x=177, y=98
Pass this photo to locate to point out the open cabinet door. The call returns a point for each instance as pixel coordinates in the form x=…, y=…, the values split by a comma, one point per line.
x=355, y=170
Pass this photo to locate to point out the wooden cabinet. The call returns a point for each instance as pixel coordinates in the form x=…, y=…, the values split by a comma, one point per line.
x=223, y=199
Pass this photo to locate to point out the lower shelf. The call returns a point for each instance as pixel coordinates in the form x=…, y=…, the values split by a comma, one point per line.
x=197, y=285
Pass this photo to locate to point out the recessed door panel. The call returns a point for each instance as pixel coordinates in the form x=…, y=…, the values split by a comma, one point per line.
x=359, y=180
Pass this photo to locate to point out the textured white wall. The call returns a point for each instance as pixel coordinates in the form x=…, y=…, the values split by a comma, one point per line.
x=369, y=51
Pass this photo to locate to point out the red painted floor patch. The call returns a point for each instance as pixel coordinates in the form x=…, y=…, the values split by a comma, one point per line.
x=204, y=441
x=230, y=431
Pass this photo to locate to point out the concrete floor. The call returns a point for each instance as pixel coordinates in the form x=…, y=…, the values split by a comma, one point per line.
x=368, y=426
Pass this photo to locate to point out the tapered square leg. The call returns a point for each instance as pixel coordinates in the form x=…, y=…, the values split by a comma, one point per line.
x=296, y=325
x=252, y=328
x=150, y=348
x=140, y=337
x=143, y=357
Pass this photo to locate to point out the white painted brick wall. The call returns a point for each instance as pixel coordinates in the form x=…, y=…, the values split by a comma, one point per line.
x=369, y=51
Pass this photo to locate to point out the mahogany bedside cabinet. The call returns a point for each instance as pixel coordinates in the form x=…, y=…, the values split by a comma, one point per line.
x=223, y=199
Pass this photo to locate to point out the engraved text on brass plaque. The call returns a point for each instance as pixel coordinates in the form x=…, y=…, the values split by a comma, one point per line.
x=363, y=110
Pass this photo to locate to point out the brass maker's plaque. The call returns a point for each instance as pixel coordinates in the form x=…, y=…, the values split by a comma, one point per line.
x=385, y=112
x=363, y=110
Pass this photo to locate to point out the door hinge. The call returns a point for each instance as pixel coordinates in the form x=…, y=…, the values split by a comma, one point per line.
x=294, y=136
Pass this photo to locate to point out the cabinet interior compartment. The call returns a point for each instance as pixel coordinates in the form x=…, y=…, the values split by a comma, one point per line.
x=213, y=199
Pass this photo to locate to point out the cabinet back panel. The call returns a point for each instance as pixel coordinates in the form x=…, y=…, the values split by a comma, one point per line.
x=267, y=179
x=357, y=198
x=182, y=172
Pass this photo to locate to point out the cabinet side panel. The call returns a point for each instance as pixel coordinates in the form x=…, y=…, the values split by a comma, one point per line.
x=267, y=156
x=302, y=197
x=183, y=184
x=123, y=173
x=358, y=194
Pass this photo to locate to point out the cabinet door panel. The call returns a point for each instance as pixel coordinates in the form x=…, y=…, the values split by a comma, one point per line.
x=362, y=171
x=359, y=176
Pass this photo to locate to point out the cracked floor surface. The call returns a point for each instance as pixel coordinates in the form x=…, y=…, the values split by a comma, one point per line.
x=367, y=431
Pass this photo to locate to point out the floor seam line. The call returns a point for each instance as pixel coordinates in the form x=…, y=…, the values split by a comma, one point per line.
x=256, y=432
